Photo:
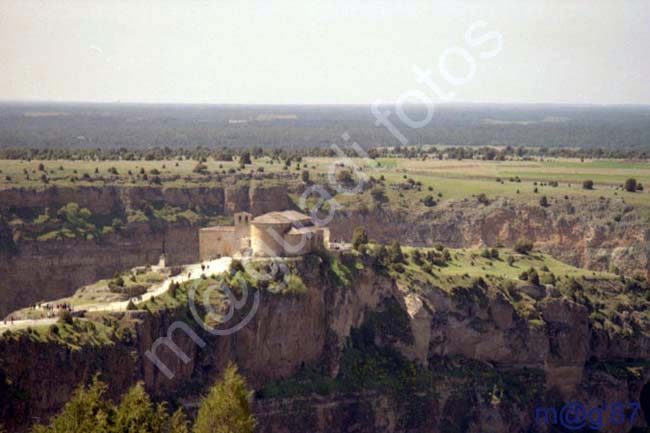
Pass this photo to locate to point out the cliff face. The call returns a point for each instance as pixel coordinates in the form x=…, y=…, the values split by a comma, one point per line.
x=43, y=270
x=491, y=367
x=584, y=233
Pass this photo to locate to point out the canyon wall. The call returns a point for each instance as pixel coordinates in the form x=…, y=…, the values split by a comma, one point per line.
x=593, y=234
x=533, y=363
x=586, y=233
x=44, y=270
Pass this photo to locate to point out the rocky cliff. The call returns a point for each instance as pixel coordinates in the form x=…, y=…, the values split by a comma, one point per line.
x=365, y=349
x=37, y=270
x=586, y=233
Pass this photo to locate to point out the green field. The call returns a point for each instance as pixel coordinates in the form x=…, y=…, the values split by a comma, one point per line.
x=444, y=179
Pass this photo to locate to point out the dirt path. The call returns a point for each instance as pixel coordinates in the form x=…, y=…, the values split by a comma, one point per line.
x=189, y=272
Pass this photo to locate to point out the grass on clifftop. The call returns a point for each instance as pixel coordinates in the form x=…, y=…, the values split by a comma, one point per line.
x=99, y=330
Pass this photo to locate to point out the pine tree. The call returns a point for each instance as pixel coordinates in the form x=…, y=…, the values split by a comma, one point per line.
x=226, y=409
x=137, y=414
x=178, y=422
x=89, y=411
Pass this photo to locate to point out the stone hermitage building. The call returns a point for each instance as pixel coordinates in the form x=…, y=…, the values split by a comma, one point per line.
x=274, y=234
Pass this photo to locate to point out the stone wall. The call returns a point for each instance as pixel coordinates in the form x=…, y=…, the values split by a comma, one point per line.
x=217, y=241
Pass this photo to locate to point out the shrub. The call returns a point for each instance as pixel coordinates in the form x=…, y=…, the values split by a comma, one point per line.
x=395, y=252
x=378, y=195
x=511, y=260
x=533, y=277
x=630, y=185
x=131, y=306
x=200, y=168
x=344, y=177
x=359, y=237
x=494, y=253
x=235, y=266
x=116, y=284
x=429, y=201
x=417, y=257
x=482, y=198
x=381, y=259
x=295, y=286
x=524, y=246
x=245, y=158
x=588, y=184
x=543, y=201
x=65, y=317
x=548, y=278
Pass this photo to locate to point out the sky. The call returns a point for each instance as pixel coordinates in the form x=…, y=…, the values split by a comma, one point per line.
x=325, y=52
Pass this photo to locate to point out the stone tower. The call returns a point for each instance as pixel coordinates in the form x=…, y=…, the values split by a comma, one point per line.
x=243, y=229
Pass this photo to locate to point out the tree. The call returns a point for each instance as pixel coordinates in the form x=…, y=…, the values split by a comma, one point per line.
x=395, y=252
x=378, y=195
x=178, y=422
x=630, y=185
x=533, y=277
x=588, y=184
x=523, y=246
x=245, y=158
x=137, y=414
x=482, y=198
x=89, y=411
x=429, y=201
x=200, y=168
x=65, y=317
x=344, y=177
x=226, y=408
x=359, y=237
x=305, y=176
x=382, y=258
x=543, y=201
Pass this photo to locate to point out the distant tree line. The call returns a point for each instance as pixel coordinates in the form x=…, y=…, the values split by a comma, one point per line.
x=246, y=154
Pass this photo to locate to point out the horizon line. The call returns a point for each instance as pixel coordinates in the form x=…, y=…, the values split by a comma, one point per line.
x=315, y=104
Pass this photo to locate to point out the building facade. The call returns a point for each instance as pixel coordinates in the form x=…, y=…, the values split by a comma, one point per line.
x=274, y=234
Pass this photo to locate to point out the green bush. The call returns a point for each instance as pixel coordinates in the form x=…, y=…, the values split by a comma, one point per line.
x=524, y=246
x=359, y=237
x=65, y=317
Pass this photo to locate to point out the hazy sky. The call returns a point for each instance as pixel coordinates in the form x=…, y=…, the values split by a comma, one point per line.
x=352, y=51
